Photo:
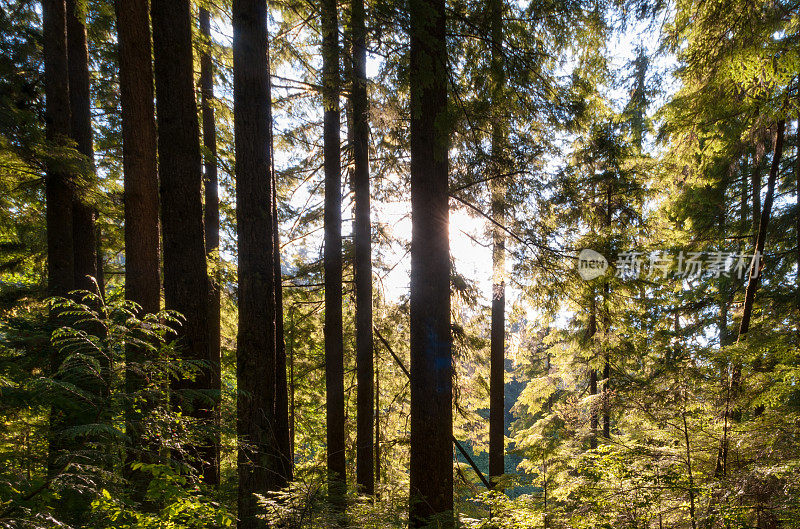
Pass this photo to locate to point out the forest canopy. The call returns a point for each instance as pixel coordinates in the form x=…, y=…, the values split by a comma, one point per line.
x=378, y=263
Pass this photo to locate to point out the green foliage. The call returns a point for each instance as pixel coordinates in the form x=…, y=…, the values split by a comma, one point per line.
x=88, y=382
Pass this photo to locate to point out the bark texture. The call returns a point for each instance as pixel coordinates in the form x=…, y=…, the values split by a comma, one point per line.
x=259, y=457
x=84, y=238
x=140, y=197
x=211, y=218
x=498, y=191
x=431, y=467
x=181, y=192
x=58, y=193
x=334, y=346
x=365, y=462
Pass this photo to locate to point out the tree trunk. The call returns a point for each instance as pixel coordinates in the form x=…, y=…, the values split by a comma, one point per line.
x=58, y=193
x=84, y=241
x=60, y=257
x=211, y=221
x=377, y=427
x=362, y=243
x=259, y=453
x=761, y=236
x=797, y=213
x=142, y=282
x=606, y=398
x=281, y=389
x=334, y=348
x=185, y=271
x=498, y=190
x=140, y=196
x=756, y=188
x=291, y=380
x=431, y=468
x=590, y=332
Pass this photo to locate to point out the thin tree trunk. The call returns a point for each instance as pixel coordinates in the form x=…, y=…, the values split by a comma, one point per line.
x=498, y=190
x=761, y=237
x=281, y=389
x=607, y=331
x=140, y=196
x=377, y=426
x=259, y=459
x=365, y=462
x=101, y=276
x=431, y=466
x=732, y=411
x=797, y=213
x=606, y=397
x=590, y=333
x=211, y=221
x=334, y=347
x=291, y=380
x=689, y=471
x=185, y=270
x=84, y=241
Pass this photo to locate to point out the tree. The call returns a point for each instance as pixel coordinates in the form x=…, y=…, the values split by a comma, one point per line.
x=185, y=271
x=497, y=335
x=211, y=216
x=140, y=196
x=431, y=469
x=362, y=235
x=259, y=453
x=334, y=344
x=281, y=383
x=84, y=241
x=58, y=193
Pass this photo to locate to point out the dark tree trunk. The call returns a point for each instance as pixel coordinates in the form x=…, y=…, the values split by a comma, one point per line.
x=431, y=468
x=607, y=360
x=365, y=462
x=761, y=236
x=377, y=427
x=590, y=332
x=181, y=191
x=101, y=276
x=281, y=388
x=60, y=257
x=732, y=410
x=756, y=188
x=211, y=221
x=139, y=161
x=334, y=348
x=497, y=335
x=58, y=193
x=259, y=456
x=84, y=241
x=606, y=398
x=797, y=200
